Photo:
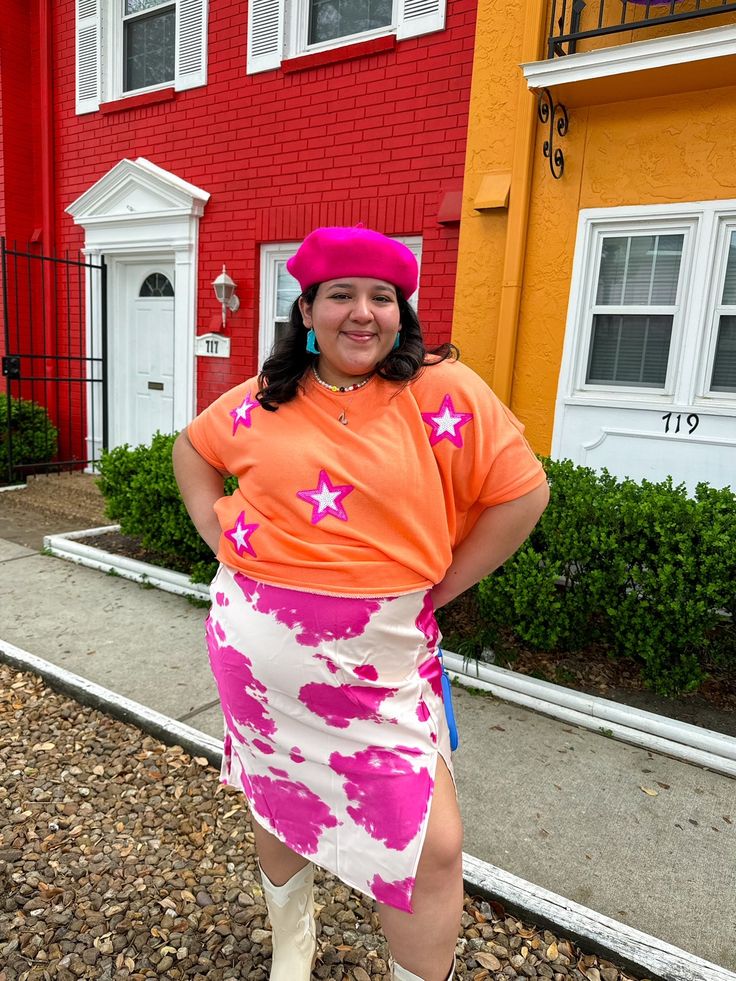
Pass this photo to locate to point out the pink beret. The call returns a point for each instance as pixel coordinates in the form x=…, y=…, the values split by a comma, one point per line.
x=328, y=253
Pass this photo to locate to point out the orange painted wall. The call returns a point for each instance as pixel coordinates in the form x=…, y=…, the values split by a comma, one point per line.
x=648, y=151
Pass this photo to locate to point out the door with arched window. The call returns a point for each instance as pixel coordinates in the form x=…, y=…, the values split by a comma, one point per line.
x=145, y=342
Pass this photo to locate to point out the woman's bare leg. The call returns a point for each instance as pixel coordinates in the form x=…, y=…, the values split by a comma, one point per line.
x=277, y=860
x=424, y=941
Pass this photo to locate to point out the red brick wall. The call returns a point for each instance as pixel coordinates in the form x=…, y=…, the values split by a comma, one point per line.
x=19, y=198
x=375, y=139
x=20, y=202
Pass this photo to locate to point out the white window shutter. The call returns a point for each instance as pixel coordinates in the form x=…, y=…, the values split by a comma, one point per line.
x=88, y=55
x=420, y=17
x=191, y=44
x=265, y=35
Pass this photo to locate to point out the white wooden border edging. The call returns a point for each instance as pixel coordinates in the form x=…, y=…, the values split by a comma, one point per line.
x=598, y=933
x=70, y=546
x=702, y=747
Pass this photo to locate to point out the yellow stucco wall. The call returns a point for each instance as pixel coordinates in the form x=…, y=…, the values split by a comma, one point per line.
x=661, y=150
x=490, y=148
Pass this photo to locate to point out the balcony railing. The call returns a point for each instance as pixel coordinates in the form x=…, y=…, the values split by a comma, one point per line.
x=578, y=20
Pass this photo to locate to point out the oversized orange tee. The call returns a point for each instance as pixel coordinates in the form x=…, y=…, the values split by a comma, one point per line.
x=371, y=508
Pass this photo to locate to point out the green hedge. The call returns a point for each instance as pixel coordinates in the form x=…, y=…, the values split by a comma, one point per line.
x=645, y=569
x=33, y=438
x=142, y=496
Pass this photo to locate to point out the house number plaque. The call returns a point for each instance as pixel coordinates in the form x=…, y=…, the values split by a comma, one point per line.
x=672, y=422
x=213, y=346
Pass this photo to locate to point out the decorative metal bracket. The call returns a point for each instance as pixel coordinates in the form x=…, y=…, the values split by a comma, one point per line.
x=556, y=115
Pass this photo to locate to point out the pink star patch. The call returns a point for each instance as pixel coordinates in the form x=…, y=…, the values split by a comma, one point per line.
x=240, y=536
x=241, y=413
x=326, y=498
x=446, y=422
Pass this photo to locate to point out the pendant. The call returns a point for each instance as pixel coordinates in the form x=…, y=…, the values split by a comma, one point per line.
x=343, y=418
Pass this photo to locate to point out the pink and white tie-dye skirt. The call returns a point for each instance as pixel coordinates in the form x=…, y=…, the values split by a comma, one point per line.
x=333, y=723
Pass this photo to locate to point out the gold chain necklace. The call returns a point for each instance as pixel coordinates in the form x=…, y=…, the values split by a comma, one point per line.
x=342, y=418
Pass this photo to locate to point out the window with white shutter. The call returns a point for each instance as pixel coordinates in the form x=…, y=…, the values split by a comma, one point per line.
x=126, y=47
x=88, y=55
x=289, y=28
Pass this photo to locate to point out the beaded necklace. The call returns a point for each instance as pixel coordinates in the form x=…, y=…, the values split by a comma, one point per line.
x=342, y=418
x=339, y=388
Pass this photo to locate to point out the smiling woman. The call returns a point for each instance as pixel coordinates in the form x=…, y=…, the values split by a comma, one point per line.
x=356, y=323
x=376, y=481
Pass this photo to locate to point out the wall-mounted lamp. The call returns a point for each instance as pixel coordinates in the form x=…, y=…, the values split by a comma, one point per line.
x=224, y=289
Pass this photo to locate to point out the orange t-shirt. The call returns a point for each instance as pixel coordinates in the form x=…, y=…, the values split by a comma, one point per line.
x=371, y=508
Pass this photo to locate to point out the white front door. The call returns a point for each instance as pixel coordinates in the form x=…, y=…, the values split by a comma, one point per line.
x=144, y=352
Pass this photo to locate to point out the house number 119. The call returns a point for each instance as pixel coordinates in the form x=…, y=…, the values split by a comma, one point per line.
x=671, y=418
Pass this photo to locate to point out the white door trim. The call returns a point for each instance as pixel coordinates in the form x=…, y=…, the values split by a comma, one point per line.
x=137, y=212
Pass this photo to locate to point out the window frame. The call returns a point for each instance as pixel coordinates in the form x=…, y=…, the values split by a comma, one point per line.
x=589, y=308
x=120, y=18
x=275, y=252
x=693, y=342
x=278, y=31
x=297, y=40
x=726, y=227
x=113, y=79
x=271, y=254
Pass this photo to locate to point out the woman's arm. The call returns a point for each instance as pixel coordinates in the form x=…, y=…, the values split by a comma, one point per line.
x=200, y=485
x=498, y=533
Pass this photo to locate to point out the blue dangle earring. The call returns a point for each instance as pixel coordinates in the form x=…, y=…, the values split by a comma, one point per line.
x=397, y=340
x=312, y=341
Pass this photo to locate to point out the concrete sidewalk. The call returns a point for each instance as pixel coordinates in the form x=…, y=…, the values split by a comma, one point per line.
x=559, y=806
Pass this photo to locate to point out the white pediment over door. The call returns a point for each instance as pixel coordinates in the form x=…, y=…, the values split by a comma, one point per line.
x=135, y=190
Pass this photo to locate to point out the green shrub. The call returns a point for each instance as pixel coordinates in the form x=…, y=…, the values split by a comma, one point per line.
x=31, y=438
x=642, y=567
x=142, y=496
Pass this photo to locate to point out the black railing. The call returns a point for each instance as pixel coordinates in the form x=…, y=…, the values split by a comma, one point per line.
x=577, y=20
x=53, y=346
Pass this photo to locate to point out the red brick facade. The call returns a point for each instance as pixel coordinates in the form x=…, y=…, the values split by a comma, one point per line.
x=377, y=138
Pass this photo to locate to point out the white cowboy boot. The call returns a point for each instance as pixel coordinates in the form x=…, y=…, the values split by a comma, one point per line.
x=401, y=974
x=291, y=911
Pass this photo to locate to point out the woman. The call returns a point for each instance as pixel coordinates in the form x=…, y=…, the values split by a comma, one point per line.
x=376, y=483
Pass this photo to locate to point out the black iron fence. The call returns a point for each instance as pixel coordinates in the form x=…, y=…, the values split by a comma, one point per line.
x=53, y=409
x=580, y=20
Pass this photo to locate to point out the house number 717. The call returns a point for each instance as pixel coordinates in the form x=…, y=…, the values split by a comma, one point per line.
x=692, y=421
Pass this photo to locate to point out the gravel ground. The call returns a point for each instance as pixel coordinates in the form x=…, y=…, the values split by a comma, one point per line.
x=124, y=858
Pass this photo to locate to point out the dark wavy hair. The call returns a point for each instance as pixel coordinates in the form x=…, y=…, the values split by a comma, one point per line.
x=284, y=368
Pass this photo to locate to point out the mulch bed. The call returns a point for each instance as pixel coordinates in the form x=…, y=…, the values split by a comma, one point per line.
x=124, y=858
